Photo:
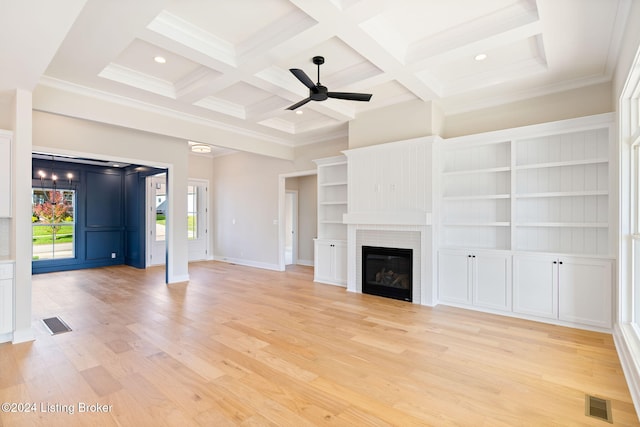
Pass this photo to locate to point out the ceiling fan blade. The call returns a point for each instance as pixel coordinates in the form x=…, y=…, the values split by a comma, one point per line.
x=299, y=104
x=350, y=96
x=302, y=76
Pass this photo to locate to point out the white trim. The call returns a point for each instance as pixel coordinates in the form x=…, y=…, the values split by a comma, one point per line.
x=248, y=263
x=281, y=215
x=626, y=334
x=23, y=335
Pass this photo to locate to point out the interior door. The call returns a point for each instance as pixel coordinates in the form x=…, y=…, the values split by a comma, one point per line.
x=197, y=221
x=156, y=219
x=291, y=230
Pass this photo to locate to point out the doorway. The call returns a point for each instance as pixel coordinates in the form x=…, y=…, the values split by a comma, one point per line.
x=157, y=204
x=291, y=227
x=197, y=221
x=295, y=241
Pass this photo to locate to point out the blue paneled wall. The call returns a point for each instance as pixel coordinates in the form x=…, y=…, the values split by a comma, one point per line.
x=109, y=214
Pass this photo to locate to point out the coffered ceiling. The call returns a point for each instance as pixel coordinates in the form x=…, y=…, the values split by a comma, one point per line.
x=227, y=61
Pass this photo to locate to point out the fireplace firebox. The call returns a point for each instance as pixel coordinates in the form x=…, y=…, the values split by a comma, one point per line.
x=387, y=272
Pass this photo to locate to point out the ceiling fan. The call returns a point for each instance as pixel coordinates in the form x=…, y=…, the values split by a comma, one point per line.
x=317, y=92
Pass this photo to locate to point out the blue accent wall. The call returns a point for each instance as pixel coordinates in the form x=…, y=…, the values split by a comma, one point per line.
x=109, y=215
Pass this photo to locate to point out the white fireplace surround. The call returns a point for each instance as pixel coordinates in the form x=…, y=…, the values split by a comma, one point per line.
x=415, y=237
x=390, y=204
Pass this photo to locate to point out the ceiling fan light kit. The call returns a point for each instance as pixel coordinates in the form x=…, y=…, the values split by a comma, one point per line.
x=318, y=92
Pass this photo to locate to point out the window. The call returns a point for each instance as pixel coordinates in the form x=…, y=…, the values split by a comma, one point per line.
x=192, y=212
x=161, y=208
x=53, y=220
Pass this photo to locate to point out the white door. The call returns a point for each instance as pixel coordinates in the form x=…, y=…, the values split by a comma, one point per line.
x=197, y=221
x=291, y=229
x=156, y=219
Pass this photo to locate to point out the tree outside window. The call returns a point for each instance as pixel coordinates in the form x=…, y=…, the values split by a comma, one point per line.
x=53, y=223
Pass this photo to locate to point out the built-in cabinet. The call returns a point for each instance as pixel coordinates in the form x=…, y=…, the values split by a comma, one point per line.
x=330, y=257
x=537, y=199
x=330, y=260
x=478, y=277
x=5, y=174
x=6, y=301
x=571, y=289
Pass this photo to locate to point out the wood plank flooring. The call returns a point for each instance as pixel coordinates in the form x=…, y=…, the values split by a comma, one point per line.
x=243, y=346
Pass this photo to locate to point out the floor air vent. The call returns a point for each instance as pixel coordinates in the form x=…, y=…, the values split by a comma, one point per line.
x=56, y=325
x=598, y=408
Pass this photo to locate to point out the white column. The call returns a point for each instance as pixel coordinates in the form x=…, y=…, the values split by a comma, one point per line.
x=21, y=229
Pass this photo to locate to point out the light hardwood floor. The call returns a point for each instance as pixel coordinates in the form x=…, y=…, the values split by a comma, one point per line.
x=243, y=346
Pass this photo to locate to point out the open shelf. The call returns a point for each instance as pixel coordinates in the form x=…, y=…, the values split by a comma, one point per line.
x=332, y=197
x=548, y=193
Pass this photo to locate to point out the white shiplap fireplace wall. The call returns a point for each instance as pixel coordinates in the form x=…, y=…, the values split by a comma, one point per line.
x=390, y=190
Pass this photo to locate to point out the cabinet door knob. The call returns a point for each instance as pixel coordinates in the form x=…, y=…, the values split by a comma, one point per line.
x=560, y=262
x=473, y=256
x=555, y=262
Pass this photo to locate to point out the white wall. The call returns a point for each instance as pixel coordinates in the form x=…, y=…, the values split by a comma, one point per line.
x=244, y=188
x=412, y=119
x=585, y=101
x=306, y=154
x=60, y=134
x=308, y=217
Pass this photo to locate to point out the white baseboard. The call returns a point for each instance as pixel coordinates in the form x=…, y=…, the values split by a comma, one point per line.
x=627, y=343
x=248, y=263
x=23, y=335
x=8, y=337
x=178, y=279
x=305, y=262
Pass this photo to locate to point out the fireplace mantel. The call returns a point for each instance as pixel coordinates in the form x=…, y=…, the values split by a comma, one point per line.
x=388, y=218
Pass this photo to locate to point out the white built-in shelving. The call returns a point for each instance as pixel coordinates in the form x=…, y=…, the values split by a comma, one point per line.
x=526, y=214
x=548, y=193
x=476, y=196
x=332, y=197
x=330, y=244
x=562, y=193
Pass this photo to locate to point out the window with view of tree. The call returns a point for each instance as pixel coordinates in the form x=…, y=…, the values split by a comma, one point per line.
x=192, y=212
x=53, y=221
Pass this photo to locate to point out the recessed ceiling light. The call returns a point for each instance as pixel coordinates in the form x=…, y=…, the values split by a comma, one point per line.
x=160, y=59
x=298, y=112
x=481, y=57
x=201, y=148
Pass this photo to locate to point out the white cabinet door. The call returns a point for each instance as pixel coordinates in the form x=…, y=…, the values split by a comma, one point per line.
x=585, y=288
x=5, y=176
x=330, y=259
x=535, y=289
x=323, y=261
x=492, y=280
x=454, y=277
x=340, y=262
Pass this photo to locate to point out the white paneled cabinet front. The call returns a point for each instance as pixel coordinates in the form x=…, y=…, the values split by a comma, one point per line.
x=535, y=290
x=391, y=177
x=481, y=279
x=5, y=174
x=571, y=289
x=330, y=262
x=584, y=291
